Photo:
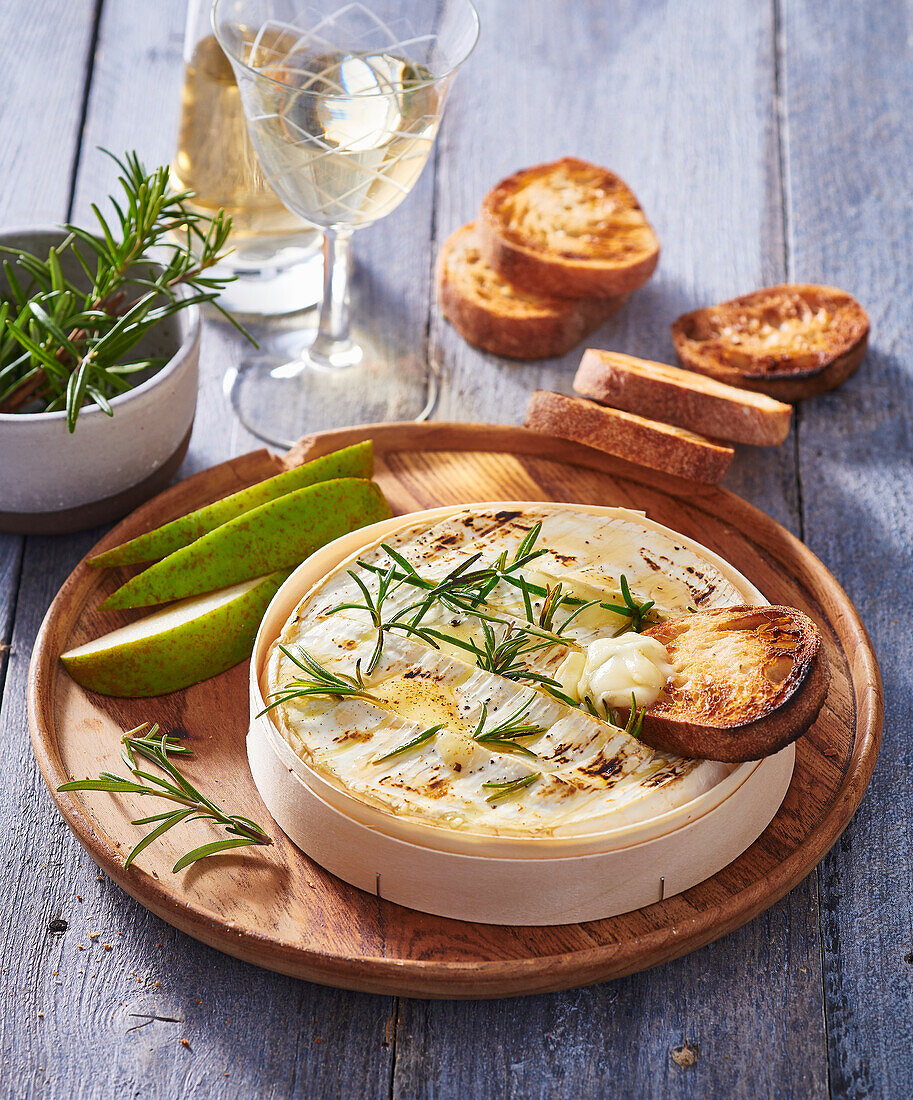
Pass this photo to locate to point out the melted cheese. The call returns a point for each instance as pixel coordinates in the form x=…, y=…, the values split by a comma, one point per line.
x=611, y=670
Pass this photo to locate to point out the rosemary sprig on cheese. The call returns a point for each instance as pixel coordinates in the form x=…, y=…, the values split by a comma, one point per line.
x=145, y=742
x=635, y=611
x=510, y=786
x=424, y=736
x=319, y=681
x=502, y=736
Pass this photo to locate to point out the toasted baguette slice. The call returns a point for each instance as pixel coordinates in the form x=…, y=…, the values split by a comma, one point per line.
x=568, y=229
x=646, y=442
x=491, y=314
x=682, y=397
x=748, y=680
x=789, y=341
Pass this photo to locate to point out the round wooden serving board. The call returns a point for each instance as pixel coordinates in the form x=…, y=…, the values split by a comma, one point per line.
x=274, y=907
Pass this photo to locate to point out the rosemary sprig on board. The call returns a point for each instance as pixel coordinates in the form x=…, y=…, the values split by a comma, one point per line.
x=64, y=345
x=318, y=681
x=145, y=742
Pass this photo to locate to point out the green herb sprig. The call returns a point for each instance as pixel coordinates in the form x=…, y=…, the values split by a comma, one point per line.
x=635, y=612
x=510, y=786
x=635, y=722
x=145, y=742
x=505, y=657
x=63, y=346
x=319, y=681
x=501, y=736
x=413, y=743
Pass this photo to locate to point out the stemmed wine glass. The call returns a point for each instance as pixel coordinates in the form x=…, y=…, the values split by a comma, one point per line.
x=342, y=105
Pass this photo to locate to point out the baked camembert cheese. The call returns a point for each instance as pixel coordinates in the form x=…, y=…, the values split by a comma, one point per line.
x=486, y=672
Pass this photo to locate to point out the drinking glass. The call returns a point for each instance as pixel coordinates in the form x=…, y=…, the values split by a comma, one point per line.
x=275, y=257
x=343, y=103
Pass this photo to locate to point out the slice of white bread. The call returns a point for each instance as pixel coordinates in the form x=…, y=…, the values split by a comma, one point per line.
x=491, y=314
x=682, y=397
x=645, y=442
x=569, y=229
x=790, y=341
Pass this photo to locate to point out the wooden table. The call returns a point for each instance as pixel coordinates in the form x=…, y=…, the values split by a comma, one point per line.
x=767, y=141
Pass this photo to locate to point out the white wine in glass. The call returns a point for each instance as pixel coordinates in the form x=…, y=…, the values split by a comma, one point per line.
x=343, y=104
x=275, y=255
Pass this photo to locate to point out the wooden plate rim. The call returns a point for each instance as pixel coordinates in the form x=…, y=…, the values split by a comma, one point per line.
x=443, y=978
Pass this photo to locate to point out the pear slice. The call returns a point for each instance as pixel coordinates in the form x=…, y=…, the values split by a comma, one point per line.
x=354, y=461
x=276, y=535
x=178, y=645
x=748, y=681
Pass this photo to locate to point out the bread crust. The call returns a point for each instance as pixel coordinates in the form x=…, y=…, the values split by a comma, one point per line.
x=569, y=229
x=634, y=438
x=682, y=397
x=790, y=341
x=492, y=315
x=748, y=681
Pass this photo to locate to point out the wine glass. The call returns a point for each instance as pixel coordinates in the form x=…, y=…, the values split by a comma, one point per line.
x=343, y=103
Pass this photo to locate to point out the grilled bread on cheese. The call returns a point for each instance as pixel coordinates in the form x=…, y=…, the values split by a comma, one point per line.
x=747, y=681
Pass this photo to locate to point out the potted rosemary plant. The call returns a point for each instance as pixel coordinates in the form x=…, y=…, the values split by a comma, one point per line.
x=99, y=353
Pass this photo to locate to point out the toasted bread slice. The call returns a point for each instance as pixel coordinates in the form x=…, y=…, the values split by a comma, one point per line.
x=646, y=442
x=568, y=229
x=790, y=341
x=682, y=397
x=491, y=314
x=748, y=680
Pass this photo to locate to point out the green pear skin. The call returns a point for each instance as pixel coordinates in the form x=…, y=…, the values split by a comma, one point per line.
x=177, y=646
x=354, y=461
x=276, y=535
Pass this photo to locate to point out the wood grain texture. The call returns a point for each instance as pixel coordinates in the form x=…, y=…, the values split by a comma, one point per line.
x=849, y=216
x=280, y=910
x=689, y=118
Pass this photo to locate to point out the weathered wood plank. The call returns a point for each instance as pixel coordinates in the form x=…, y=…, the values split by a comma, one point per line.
x=36, y=189
x=36, y=185
x=697, y=145
x=618, y=87
x=249, y=1032
x=850, y=138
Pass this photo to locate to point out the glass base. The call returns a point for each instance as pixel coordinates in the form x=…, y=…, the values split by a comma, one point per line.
x=287, y=392
x=273, y=283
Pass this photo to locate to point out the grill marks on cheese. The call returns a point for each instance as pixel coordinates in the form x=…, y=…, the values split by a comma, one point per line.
x=589, y=768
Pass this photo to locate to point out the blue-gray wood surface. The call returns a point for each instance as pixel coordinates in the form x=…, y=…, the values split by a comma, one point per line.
x=768, y=140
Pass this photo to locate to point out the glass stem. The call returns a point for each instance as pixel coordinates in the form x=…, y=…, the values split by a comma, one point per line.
x=332, y=346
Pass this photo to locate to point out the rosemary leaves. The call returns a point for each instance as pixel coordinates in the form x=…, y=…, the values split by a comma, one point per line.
x=146, y=742
x=66, y=342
